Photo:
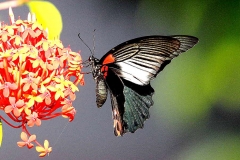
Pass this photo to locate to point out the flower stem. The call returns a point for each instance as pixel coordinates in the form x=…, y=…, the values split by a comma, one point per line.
x=9, y=123
x=5, y=65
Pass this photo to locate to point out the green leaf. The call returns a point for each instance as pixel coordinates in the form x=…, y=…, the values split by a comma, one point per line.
x=47, y=15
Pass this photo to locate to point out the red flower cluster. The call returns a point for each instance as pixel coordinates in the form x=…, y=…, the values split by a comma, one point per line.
x=35, y=77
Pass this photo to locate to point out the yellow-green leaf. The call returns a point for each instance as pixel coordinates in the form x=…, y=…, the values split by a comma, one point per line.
x=47, y=15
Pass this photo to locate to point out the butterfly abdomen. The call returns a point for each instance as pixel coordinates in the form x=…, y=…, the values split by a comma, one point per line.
x=101, y=91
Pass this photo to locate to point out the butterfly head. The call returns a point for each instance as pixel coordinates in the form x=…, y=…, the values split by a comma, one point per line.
x=94, y=62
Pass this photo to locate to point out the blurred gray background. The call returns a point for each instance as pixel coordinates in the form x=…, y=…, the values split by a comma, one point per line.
x=196, y=110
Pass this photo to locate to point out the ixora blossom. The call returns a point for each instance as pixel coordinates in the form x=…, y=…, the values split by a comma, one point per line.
x=35, y=75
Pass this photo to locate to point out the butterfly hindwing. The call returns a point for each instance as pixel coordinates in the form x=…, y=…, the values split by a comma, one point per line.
x=138, y=100
x=130, y=103
x=116, y=87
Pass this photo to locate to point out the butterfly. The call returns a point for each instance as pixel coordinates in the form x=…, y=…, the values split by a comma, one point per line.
x=126, y=71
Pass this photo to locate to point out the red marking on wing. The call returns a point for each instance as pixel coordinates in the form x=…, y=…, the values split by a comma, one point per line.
x=104, y=70
x=109, y=59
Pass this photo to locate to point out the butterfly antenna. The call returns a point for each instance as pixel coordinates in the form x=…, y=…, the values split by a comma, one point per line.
x=84, y=43
x=94, y=41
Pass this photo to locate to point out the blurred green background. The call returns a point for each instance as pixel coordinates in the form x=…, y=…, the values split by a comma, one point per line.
x=200, y=98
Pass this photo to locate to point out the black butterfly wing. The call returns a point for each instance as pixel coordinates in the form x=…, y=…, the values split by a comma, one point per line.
x=138, y=100
x=141, y=59
x=130, y=67
x=130, y=103
x=116, y=87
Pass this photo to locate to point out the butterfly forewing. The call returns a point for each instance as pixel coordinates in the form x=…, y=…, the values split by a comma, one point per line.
x=126, y=70
x=186, y=42
x=140, y=60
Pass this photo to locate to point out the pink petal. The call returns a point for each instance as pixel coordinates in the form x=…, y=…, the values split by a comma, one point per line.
x=21, y=144
x=48, y=100
x=34, y=86
x=24, y=137
x=6, y=92
x=38, y=122
x=20, y=103
x=72, y=96
x=12, y=86
x=47, y=54
x=32, y=138
x=12, y=100
x=26, y=87
x=35, y=115
x=64, y=108
x=8, y=109
x=30, y=123
x=16, y=112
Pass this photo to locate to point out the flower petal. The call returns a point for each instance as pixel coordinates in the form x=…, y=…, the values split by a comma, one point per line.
x=38, y=122
x=21, y=144
x=42, y=154
x=20, y=103
x=32, y=138
x=48, y=100
x=35, y=114
x=72, y=96
x=16, y=112
x=24, y=137
x=13, y=86
x=34, y=86
x=12, y=100
x=57, y=95
x=26, y=87
x=38, y=99
x=6, y=92
x=46, y=144
x=45, y=45
x=30, y=123
x=8, y=109
x=49, y=150
x=40, y=149
x=27, y=110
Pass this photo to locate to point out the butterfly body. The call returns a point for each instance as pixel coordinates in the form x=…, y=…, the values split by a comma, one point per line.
x=126, y=71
